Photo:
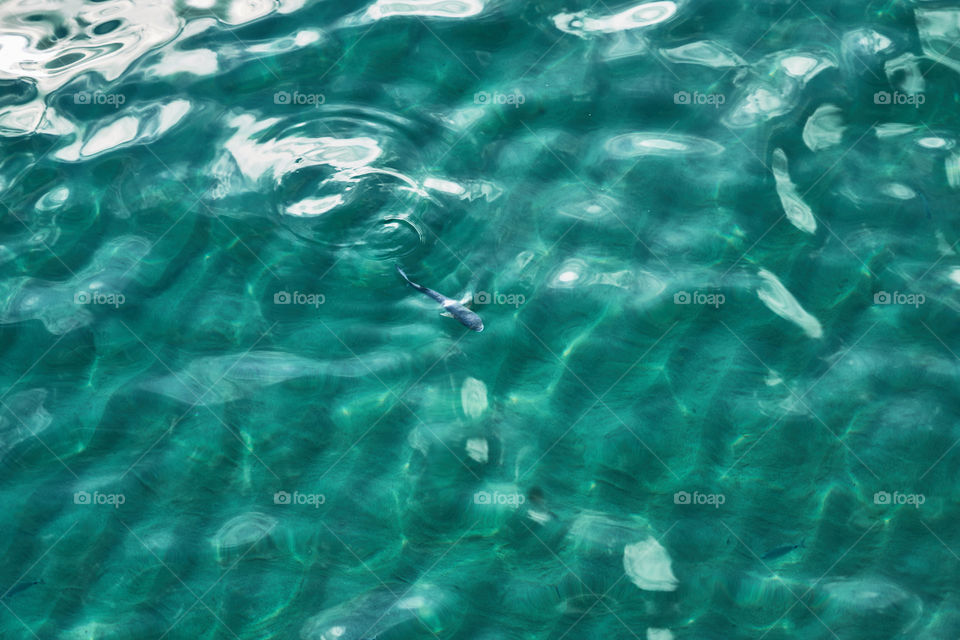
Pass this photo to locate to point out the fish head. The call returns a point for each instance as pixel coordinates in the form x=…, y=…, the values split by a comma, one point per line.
x=474, y=322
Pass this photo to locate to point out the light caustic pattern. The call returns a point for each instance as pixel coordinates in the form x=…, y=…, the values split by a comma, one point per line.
x=713, y=247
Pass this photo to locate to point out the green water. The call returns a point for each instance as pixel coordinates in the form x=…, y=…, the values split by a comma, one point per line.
x=713, y=246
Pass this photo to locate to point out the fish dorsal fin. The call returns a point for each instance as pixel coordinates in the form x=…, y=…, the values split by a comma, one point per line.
x=466, y=299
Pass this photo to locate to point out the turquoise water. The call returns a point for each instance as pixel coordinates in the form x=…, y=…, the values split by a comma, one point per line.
x=713, y=246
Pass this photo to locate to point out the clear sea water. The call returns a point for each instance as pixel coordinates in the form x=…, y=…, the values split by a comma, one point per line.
x=713, y=245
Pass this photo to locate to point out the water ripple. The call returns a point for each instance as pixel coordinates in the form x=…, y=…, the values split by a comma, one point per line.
x=631, y=145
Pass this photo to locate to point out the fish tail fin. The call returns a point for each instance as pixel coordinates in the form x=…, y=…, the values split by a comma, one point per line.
x=407, y=278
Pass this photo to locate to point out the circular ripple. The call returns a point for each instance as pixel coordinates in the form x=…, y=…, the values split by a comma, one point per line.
x=391, y=238
x=340, y=180
x=370, y=209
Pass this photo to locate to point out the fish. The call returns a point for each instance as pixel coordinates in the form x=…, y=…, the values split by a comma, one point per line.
x=782, y=551
x=20, y=586
x=456, y=309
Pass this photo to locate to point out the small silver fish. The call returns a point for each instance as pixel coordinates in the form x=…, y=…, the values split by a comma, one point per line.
x=781, y=551
x=466, y=317
x=20, y=586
